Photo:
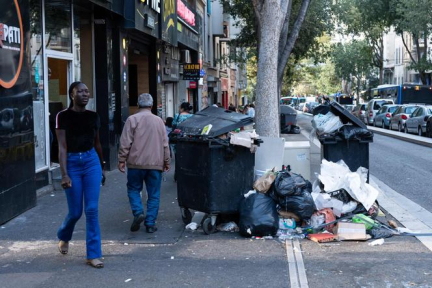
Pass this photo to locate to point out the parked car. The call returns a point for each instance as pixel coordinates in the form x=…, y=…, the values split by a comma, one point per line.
x=383, y=116
x=360, y=111
x=349, y=107
x=300, y=106
x=417, y=121
x=372, y=108
x=397, y=122
x=429, y=127
x=309, y=106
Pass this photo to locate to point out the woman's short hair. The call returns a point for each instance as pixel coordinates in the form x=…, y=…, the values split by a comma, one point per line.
x=145, y=100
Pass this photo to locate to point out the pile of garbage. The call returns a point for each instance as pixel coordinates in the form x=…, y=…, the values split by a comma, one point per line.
x=340, y=206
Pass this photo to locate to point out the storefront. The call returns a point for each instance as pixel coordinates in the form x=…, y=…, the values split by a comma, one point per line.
x=188, y=25
x=17, y=157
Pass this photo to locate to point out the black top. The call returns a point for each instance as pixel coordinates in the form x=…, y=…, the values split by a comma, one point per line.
x=80, y=127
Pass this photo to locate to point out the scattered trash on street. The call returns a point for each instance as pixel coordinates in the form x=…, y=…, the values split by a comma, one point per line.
x=376, y=242
x=228, y=227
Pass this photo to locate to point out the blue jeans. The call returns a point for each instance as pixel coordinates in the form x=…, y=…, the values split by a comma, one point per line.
x=152, y=179
x=85, y=172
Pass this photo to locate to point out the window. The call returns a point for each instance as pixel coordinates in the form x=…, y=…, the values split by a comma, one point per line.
x=416, y=112
x=410, y=109
x=393, y=109
x=58, y=25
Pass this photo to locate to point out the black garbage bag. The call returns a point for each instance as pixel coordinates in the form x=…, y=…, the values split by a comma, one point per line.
x=377, y=233
x=349, y=132
x=302, y=205
x=289, y=184
x=258, y=216
x=321, y=109
x=295, y=129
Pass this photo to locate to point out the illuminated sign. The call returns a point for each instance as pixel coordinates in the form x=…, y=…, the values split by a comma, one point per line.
x=155, y=4
x=185, y=13
x=11, y=44
x=191, y=71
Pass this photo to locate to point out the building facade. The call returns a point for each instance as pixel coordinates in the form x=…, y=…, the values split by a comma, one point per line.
x=119, y=49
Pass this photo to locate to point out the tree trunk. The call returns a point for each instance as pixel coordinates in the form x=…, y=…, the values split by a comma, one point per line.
x=271, y=15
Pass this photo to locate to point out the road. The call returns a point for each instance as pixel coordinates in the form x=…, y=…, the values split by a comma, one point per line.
x=405, y=167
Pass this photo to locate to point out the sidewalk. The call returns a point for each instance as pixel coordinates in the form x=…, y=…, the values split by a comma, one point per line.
x=171, y=257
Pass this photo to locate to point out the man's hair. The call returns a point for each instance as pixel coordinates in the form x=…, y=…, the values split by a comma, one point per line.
x=145, y=100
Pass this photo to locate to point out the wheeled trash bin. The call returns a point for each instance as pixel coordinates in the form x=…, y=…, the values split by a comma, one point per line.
x=212, y=174
x=353, y=150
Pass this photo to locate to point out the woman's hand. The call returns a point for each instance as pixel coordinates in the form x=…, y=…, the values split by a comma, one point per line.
x=66, y=182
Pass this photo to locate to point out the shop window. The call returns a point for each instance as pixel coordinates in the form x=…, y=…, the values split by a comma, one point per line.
x=58, y=25
x=37, y=76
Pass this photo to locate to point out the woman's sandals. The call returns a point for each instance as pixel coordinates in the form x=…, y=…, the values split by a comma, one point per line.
x=63, y=247
x=96, y=263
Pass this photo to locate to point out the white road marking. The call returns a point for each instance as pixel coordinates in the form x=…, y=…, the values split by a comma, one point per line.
x=297, y=271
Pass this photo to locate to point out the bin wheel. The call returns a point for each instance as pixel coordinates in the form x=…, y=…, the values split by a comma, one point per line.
x=186, y=215
x=208, y=227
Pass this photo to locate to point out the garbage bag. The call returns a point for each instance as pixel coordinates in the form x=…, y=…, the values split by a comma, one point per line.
x=380, y=233
x=295, y=129
x=289, y=184
x=349, y=132
x=258, y=216
x=302, y=205
x=327, y=123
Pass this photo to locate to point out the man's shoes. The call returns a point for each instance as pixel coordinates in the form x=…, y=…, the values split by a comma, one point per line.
x=151, y=229
x=136, y=222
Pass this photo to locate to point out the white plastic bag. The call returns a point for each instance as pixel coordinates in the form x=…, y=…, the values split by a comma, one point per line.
x=327, y=123
x=336, y=176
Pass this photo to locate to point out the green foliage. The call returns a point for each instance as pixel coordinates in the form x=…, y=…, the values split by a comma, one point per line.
x=414, y=18
x=317, y=22
x=352, y=60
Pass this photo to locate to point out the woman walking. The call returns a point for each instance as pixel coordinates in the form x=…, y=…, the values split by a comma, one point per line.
x=81, y=165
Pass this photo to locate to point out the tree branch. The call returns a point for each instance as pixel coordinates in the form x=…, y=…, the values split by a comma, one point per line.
x=285, y=28
x=292, y=39
x=406, y=47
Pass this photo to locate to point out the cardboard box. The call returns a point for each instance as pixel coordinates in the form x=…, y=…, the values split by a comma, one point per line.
x=350, y=231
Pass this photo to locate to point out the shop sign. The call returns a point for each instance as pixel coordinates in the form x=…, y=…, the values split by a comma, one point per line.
x=192, y=85
x=169, y=22
x=185, y=13
x=191, y=71
x=153, y=4
x=11, y=45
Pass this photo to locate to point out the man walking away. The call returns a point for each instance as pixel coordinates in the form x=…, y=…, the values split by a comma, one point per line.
x=144, y=150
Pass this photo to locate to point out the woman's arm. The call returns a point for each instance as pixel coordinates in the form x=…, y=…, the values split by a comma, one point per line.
x=61, y=137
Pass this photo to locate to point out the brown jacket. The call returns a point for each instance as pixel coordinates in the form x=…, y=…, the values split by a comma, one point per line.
x=144, y=142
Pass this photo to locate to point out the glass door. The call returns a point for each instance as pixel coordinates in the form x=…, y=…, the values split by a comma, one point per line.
x=59, y=76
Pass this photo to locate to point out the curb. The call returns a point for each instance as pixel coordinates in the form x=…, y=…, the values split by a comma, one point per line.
x=419, y=140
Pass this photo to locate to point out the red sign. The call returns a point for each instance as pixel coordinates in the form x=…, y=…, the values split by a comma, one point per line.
x=192, y=85
x=185, y=13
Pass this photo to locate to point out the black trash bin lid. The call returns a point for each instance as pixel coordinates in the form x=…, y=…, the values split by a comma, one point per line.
x=345, y=115
x=222, y=121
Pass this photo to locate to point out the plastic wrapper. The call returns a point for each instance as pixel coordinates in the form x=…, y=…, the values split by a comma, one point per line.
x=258, y=216
x=327, y=123
x=341, y=195
x=336, y=176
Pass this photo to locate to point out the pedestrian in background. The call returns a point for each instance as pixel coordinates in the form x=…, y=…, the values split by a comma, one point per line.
x=144, y=150
x=251, y=111
x=184, y=113
x=81, y=166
